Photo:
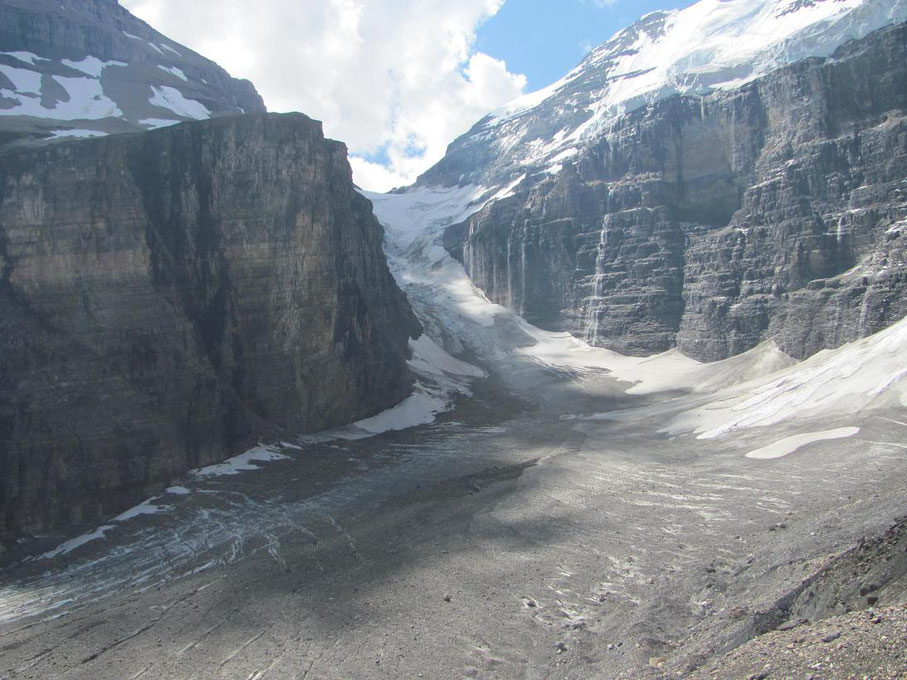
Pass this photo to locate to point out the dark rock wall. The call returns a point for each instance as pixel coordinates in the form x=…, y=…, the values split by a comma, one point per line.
x=169, y=298
x=713, y=223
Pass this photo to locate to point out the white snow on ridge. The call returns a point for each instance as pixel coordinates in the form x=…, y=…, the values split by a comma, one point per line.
x=714, y=44
x=173, y=100
x=26, y=57
x=91, y=66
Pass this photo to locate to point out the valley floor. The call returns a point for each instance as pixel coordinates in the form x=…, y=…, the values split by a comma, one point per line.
x=552, y=525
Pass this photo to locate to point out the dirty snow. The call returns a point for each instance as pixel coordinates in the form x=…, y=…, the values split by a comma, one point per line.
x=241, y=463
x=145, y=508
x=788, y=445
x=78, y=542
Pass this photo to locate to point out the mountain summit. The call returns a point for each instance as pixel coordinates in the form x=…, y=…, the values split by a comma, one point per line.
x=712, y=45
x=88, y=68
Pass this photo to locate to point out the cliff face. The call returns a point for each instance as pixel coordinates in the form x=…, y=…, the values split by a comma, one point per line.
x=88, y=67
x=714, y=222
x=170, y=297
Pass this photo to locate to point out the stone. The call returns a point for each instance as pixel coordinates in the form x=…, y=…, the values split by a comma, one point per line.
x=713, y=223
x=170, y=298
x=144, y=71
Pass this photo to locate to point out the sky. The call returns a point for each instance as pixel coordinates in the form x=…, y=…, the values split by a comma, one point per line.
x=396, y=80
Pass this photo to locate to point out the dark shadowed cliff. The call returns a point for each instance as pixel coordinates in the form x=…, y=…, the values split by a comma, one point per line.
x=168, y=298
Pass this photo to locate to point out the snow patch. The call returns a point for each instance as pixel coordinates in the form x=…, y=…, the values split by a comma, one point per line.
x=241, y=463
x=429, y=358
x=440, y=378
x=174, y=71
x=79, y=541
x=173, y=100
x=145, y=508
x=87, y=100
x=178, y=491
x=859, y=376
x=417, y=409
x=155, y=123
x=788, y=445
x=26, y=57
x=91, y=66
x=24, y=80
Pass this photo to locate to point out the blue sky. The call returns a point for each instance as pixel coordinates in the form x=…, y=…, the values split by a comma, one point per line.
x=544, y=39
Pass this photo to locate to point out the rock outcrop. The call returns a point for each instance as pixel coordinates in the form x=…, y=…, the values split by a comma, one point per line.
x=777, y=209
x=169, y=298
x=78, y=68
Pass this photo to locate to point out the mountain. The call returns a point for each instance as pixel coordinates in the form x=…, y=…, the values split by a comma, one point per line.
x=168, y=297
x=707, y=179
x=714, y=45
x=85, y=68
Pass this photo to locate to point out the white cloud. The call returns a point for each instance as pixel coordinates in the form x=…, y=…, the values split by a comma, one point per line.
x=394, y=79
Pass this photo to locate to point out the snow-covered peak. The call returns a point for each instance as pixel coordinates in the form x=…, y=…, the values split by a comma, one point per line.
x=717, y=44
x=711, y=45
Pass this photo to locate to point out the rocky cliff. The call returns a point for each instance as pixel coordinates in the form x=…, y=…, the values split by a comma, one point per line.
x=710, y=222
x=79, y=68
x=169, y=297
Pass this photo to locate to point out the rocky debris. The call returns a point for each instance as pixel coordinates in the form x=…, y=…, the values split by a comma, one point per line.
x=866, y=644
x=172, y=297
x=712, y=223
x=803, y=616
x=82, y=67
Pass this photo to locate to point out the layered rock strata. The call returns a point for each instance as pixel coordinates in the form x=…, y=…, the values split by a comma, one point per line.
x=169, y=298
x=712, y=223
